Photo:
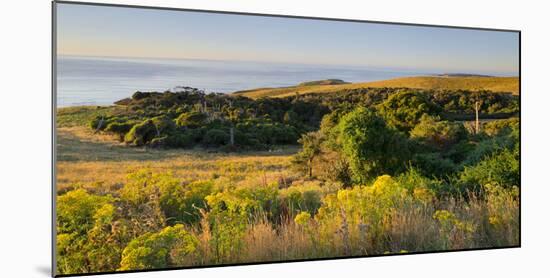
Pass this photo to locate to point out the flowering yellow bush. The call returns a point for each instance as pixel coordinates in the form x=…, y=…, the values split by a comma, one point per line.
x=503, y=209
x=498, y=200
x=158, y=250
x=453, y=230
x=302, y=218
x=363, y=213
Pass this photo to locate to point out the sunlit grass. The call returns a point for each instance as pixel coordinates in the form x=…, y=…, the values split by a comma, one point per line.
x=495, y=84
x=86, y=158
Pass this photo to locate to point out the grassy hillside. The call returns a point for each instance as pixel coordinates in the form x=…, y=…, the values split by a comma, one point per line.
x=497, y=84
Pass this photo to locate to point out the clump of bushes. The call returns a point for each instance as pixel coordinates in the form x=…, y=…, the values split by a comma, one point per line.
x=141, y=133
x=191, y=119
x=216, y=137
x=203, y=225
x=500, y=168
x=440, y=135
x=158, y=250
x=404, y=109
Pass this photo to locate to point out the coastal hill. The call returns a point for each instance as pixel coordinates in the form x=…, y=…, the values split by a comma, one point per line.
x=441, y=82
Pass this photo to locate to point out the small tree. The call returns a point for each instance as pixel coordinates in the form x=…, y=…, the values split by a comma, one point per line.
x=311, y=148
x=371, y=147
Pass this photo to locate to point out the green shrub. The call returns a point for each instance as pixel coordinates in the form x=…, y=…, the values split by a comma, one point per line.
x=141, y=133
x=159, y=142
x=84, y=230
x=76, y=209
x=182, y=203
x=179, y=203
x=301, y=198
x=501, y=127
x=433, y=164
x=413, y=181
x=139, y=95
x=503, y=209
x=266, y=132
x=370, y=146
x=500, y=168
x=191, y=119
x=215, y=138
x=360, y=216
x=311, y=148
x=404, y=110
x=159, y=250
x=97, y=120
x=180, y=140
x=438, y=134
x=164, y=124
x=119, y=128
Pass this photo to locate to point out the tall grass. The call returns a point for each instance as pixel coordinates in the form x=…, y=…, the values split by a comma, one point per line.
x=255, y=210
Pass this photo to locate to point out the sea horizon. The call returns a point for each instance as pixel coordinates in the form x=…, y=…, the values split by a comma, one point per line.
x=95, y=80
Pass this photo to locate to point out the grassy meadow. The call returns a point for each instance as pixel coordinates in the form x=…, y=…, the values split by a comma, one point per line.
x=192, y=179
x=101, y=161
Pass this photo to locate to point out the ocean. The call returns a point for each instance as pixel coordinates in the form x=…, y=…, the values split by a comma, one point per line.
x=102, y=81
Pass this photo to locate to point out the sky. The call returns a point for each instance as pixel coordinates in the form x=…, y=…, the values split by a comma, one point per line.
x=148, y=33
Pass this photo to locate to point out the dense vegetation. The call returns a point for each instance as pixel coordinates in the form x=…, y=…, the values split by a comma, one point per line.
x=378, y=171
x=190, y=117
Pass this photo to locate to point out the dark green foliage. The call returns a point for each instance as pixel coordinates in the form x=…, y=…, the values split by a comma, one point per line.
x=267, y=132
x=462, y=102
x=404, y=110
x=290, y=117
x=339, y=170
x=119, y=128
x=181, y=203
x=500, y=168
x=501, y=127
x=433, y=164
x=216, y=137
x=191, y=119
x=413, y=179
x=505, y=138
x=370, y=146
x=164, y=124
x=311, y=148
x=180, y=140
x=139, y=95
x=264, y=122
x=142, y=133
x=440, y=135
x=98, y=122
x=159, y=142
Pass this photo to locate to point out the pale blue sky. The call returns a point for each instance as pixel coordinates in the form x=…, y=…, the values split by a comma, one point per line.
x=129, y=32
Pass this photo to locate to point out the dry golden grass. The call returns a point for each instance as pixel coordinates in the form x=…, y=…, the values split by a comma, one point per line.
x=495, y=84
x=86, y=158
